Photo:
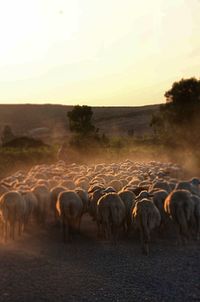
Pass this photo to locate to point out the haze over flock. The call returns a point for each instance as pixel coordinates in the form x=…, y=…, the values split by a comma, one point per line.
x=99, y=53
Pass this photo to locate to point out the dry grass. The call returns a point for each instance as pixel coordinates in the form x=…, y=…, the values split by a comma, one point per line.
x=115, y=120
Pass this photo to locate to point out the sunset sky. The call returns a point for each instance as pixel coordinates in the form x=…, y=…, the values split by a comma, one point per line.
x=96, y=52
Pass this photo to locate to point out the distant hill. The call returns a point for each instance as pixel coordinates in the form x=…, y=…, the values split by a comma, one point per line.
x=25, y=119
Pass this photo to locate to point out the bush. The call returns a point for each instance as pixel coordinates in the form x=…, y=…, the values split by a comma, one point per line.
x=24, y=142
x=12, y=159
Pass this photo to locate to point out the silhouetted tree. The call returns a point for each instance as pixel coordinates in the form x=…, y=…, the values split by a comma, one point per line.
x=85, y=134
x=7, y=135
x=178, y=119
x=80, y=120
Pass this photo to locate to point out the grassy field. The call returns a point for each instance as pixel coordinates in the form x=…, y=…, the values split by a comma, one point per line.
x=111, y=120
x=115, y=122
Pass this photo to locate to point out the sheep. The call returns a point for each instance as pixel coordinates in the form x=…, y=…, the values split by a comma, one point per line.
x=187, y=185
x=172, y=185
x=93, y=199
x=3, y=189
x=12, y=206
x=109, y=190
x=70, y=208
x=43, y=195
x=53, y=199
x=85, y=200
x=138, y=189
x=69, y=184
x=195, y=182
x=196, y=201
x=116, y=184
x=180, y=207
x=111, y=215
x=145, y=217
x=159, y=199
x=31, y=205
x=161, y=185
x=97, y=181
x=94, y=188
x=2, y=224
x=83, y=183
x=84, y=197
x=128, y=199
x=144, y=194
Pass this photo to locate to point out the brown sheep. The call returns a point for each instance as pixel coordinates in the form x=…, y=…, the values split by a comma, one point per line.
x=53, y=199
x=180, y=207
x=196, y=200
x=187, y=185
x=43, y=196
x=3, y=189
x=93, y=200
x=111, y=213
x=2, y=224
x=12, y=206
x=159, y=200
x=146, y=217
x=128, y=199
x=161, y=185
x=84, y=197
x=116, y=184
x=70, y=207
x=31, y=206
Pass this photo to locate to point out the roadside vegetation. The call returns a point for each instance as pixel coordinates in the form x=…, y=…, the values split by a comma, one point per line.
x=176, y=137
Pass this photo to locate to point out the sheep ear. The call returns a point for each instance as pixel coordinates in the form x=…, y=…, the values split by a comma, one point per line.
x=151, y=195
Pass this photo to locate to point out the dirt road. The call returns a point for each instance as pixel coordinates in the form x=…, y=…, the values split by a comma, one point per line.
x=39, y=267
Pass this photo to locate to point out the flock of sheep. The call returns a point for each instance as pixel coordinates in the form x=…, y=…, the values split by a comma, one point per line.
x=119, y=197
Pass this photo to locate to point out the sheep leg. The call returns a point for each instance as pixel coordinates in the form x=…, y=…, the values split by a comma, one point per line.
x=110, y=232
x=198, y=229
x=56, y=216
x=69, y=231
x=125, y=227
x=99, y=231
x=129, y=225
x=79, y=224
x=146, y=248
x=19, y=228
x=26, y=219
x=6, y=230
x=116, y=231
x=44, y=217
x=64, y=231
x=12, y=230
x=104, y=230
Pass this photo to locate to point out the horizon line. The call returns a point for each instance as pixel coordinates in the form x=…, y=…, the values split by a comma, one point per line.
x=53, y=104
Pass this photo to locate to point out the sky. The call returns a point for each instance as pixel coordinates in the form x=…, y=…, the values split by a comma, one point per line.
x=96, y=52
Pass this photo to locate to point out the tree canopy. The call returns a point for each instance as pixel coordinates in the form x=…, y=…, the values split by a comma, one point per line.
x=80, y=120
x=178, y=119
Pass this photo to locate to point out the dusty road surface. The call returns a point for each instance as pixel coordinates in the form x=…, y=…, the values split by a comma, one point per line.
x=39, y=267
